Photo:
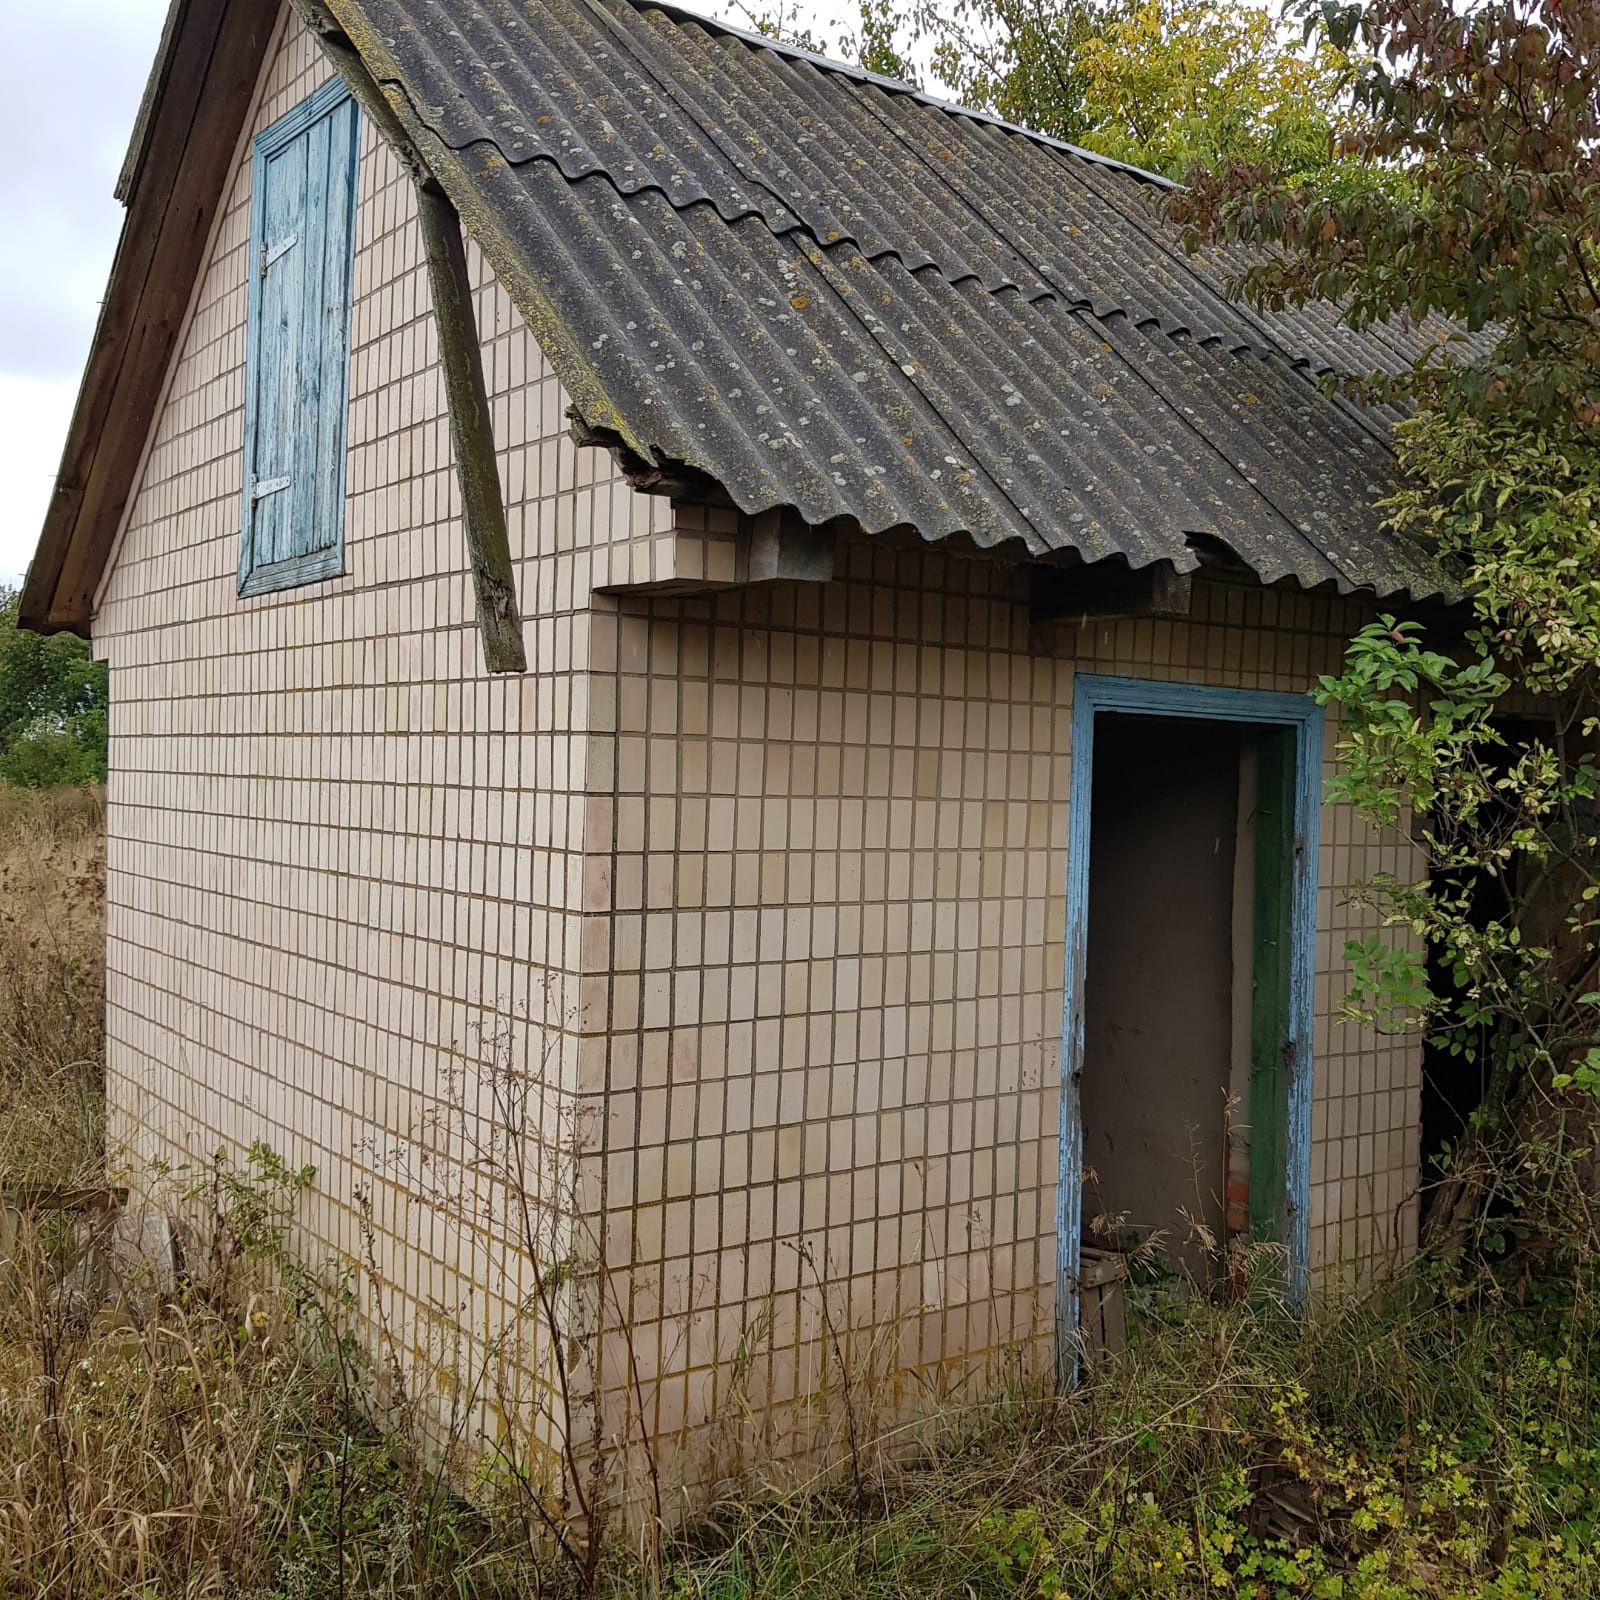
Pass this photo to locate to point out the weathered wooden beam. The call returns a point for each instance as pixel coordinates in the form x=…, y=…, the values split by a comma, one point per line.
x=472, y=434
x=782, y=546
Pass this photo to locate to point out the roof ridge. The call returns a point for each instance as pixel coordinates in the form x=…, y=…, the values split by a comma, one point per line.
x=952, y=273
x=682, y=13
x=753, y=193
x=1261, y=336
x=1007, y=257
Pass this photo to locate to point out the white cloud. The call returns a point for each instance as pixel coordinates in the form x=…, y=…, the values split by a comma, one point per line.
x=34, y=413
x=64, y=134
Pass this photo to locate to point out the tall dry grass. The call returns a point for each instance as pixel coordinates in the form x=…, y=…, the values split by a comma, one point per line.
x=52, y=986
x=209, y=1446
x=164, y=1435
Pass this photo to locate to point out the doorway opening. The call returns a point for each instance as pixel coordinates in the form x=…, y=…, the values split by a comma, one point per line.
x=1191, y=907
x=1186, y=991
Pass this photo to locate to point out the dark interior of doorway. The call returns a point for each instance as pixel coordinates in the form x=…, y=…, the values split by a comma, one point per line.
x=1454, y=1068
x=1184, y=1087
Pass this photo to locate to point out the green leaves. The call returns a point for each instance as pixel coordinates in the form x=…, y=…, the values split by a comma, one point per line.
x=1161, y=85
x=1474, y=741
x=1584, y=1076
x=53, y=701
x=1389, y=987
x=1501, y=911
x=1515, y=505
x=1412, y=718
x=1484, y=119
x=1210, y=82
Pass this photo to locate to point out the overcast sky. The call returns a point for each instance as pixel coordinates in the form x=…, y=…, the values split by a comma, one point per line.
x=63, y=133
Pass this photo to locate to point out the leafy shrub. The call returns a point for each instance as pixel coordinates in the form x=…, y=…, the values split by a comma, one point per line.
x=53, y=706
x=1391, y=1450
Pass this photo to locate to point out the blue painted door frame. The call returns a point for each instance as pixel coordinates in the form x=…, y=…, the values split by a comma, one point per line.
x=1131, y=696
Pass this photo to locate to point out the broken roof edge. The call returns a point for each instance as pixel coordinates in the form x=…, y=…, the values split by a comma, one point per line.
x=652, y=473
x=879, y=80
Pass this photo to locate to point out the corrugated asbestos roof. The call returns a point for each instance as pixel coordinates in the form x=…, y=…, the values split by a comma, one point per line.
x=830, y=294
x=821, y=289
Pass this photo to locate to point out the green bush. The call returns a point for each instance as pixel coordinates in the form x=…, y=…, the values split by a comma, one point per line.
x=1394, y=1449
x=53, y=700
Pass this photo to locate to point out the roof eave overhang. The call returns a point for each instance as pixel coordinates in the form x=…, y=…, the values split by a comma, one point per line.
x=173, y=182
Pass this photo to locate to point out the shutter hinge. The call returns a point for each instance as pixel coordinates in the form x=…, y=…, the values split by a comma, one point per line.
x=281, y=248
x=266, y=486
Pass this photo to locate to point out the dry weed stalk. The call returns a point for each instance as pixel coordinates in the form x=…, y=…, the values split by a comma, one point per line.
x=522, y=1428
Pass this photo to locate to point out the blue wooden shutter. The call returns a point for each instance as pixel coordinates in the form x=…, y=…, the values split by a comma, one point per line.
x=302, y=238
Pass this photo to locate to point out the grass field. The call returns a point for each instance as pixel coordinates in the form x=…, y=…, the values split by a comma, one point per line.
x=205, y=1442
x=52, y=985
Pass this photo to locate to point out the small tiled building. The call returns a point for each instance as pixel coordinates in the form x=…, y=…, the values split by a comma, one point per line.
x=850, y=829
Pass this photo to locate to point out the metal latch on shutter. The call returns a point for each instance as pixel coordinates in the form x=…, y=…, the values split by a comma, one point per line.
x=266, y=486
x=281, y=248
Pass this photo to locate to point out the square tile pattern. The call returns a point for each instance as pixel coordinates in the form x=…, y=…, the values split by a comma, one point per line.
x=730, y=937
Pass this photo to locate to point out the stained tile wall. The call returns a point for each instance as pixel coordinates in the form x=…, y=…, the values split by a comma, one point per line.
x=756, y=895
x=346, y=866
x=835, y=991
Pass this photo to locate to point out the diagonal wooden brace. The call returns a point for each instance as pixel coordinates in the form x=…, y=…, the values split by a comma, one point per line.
x=460, y=354
x=472, y=434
